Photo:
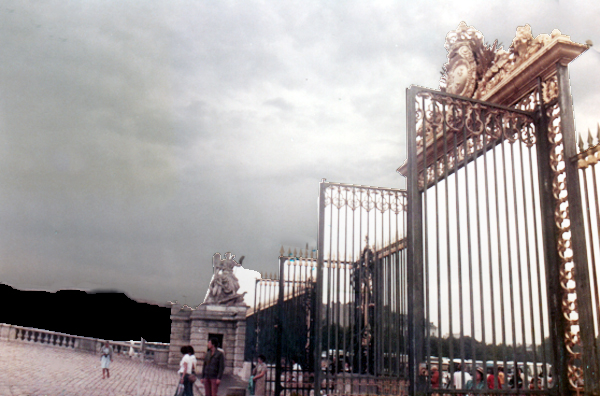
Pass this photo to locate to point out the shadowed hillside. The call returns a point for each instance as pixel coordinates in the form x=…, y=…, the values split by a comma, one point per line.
x=102, y=314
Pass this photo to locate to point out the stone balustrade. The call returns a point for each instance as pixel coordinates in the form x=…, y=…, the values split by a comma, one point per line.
x=155, y=352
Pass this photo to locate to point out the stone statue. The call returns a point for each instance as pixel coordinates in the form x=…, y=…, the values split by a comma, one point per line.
x=224, y=284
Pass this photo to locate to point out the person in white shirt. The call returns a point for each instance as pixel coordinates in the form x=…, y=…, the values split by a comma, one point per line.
x=296, y=371
x=187, y=366
x=457, y=380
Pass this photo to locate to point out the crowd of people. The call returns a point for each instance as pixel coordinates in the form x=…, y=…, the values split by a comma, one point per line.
x=489, y=379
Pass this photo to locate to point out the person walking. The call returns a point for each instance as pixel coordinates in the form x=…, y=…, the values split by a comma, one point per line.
x=212, y=371
x=107, y=357
x=187, y=366
x=131, y=350
x=260, y=372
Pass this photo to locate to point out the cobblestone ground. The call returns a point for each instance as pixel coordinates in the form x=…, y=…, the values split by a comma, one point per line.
x=37, y=370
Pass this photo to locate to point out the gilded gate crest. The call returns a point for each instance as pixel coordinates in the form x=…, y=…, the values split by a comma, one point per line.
x=461, y=68
x=474, y=69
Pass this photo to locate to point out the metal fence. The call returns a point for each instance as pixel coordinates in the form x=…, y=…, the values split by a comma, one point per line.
x=480, y=278
x=476, y=244
x=281, y=326
x=361, y=284
x=587, y=163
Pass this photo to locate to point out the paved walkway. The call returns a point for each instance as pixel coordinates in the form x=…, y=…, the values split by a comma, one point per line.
x=38, y=370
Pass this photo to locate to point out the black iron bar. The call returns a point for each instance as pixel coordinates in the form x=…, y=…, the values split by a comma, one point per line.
x=448, y=247
x=375, y=285
x=334, y=190
x=459, y=259
x=509, y=256
x=489, y=247
x=319, y=292
x=358, y=310
x=390, y=298
x=279, y=327
x=389, y=292
x=352, y=314
x=255, y=318
x=469, y=249
x=427, y=335
x=535, y=196
x=336, y=305
x=296, y=302
x=367, y=319
x=345, y=291
x=405, y=297
x=499, y=243
x=415, y=247
x=518, y=242
x=401, y=349
x=440, y=353
x=482, y=114
x=528, y=255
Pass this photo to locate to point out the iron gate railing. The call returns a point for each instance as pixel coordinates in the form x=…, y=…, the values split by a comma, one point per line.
x=281, y=326
x=478, y=271
x=477, y=249
x=587, y=162
x=361, y=286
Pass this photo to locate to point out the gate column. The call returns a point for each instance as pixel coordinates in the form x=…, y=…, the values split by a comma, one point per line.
x=416, y=304
x=578, y=244
x=558, y=324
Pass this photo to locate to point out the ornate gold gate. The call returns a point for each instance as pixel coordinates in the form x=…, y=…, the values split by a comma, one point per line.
x=497, y=267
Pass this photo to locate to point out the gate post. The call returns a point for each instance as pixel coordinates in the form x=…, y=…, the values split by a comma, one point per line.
x=577, y=230
x=319, y=292
x=416, y=312
x=558, y=323
x=279, y=331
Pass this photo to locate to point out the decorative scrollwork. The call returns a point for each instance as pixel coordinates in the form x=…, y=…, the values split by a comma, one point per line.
x=529, y=102
x=567, y=269
x=367, y=198
x=474, y=126
x=550, y=89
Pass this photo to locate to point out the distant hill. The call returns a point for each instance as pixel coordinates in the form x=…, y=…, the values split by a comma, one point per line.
x=103, y=314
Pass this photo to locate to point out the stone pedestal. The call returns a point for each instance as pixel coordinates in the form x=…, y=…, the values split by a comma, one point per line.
x=194, y=327
x=222, y=315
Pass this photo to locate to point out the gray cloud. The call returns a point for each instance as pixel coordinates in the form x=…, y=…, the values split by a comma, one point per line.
x=140, y=138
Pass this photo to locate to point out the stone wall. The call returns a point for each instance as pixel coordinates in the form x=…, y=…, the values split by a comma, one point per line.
x=153, y=352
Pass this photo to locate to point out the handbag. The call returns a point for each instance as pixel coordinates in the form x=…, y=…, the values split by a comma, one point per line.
x=179, y=390
x=192, y=377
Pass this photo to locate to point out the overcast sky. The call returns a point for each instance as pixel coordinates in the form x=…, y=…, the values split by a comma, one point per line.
x=138, y=138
